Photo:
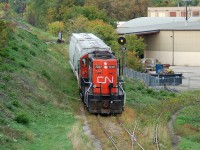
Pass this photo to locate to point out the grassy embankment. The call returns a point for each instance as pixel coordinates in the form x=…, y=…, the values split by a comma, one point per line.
x=154, y=107
x=37, y=110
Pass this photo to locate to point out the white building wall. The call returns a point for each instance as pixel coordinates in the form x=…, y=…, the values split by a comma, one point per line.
x=180, y=58
x=174, y=47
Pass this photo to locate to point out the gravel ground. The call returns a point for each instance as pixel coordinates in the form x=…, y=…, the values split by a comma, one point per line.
x=187, y=71
x=191, y=78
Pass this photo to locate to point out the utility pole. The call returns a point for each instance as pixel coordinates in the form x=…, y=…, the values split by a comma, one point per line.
x=6, y=8
x=186, y=9
x=22, y=8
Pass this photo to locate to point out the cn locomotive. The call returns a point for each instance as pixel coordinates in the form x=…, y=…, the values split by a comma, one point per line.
x=97, y=71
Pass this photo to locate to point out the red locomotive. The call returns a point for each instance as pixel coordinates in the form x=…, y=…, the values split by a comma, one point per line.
x=97, y=71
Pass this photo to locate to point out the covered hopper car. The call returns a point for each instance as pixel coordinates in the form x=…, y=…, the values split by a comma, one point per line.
x=97, y=71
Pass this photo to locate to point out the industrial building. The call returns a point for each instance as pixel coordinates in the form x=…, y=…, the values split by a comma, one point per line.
x=171, y=40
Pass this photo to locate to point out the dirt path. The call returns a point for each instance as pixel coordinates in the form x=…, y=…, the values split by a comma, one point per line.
x=175, y=138
x=87, y=131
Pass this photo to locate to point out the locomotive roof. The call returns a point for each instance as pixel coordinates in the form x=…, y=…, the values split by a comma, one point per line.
x=87, y=42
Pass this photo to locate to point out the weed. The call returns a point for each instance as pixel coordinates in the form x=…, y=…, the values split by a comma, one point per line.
x=21, y=36
x=78, y=139
x=45, y=74
x=15, y=48
x=10, y=106
x=24, y=47
x=35, y=44
x=23, y=64
x=15, y=103
x=7, y=78
x=7, y=68
x=2, y=86
x=33, y=53
x=22, y=119
x=4, y=53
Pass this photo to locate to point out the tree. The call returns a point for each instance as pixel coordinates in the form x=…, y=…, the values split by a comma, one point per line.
x=135, y=44
x=121, y=10
x=55, y=27
x=135, y=47
x=132, y=61
x=90, y=12
x=77, y=25
x=104, y=31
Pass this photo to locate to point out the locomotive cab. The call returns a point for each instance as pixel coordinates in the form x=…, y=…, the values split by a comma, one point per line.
x=100, y=89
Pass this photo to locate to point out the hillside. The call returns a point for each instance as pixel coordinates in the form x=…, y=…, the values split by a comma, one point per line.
x=40, y=106
x=37, y=92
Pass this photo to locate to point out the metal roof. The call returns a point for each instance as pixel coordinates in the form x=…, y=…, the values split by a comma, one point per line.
x=88, y=40
x=148, y=25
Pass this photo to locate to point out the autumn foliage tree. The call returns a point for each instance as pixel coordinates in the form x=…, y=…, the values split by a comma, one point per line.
x=78, y=24
x=121, y=10
x=103, y=30
x=55, y=27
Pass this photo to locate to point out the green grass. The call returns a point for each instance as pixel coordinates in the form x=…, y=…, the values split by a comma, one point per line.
x=186, y=144
x=36, y=86
x=188, y=126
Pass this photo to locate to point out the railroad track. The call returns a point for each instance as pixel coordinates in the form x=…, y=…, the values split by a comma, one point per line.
x=106, y=133
x=156, y=141
x=132, y=136
x=130, y=140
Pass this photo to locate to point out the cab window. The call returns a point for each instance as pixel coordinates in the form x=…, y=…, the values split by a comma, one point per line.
x=84, y=62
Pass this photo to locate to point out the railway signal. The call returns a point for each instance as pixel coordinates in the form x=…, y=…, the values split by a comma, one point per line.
x=122, y=41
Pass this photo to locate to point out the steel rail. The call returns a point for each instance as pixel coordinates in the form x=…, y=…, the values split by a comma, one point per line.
x=106, y=133
x=156, y=141
x=132, y=136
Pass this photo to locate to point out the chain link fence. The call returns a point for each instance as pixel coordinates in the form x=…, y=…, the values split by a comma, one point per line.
x=172, y=82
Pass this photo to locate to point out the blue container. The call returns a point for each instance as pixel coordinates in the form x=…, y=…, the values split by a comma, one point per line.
x=159, y=68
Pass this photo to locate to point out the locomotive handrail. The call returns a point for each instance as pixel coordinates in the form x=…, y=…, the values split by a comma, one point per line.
x=86, y=81
x=123, y=93
x=86, y=93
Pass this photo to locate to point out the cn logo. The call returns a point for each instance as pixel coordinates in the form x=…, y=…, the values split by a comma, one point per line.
x=104, y=80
